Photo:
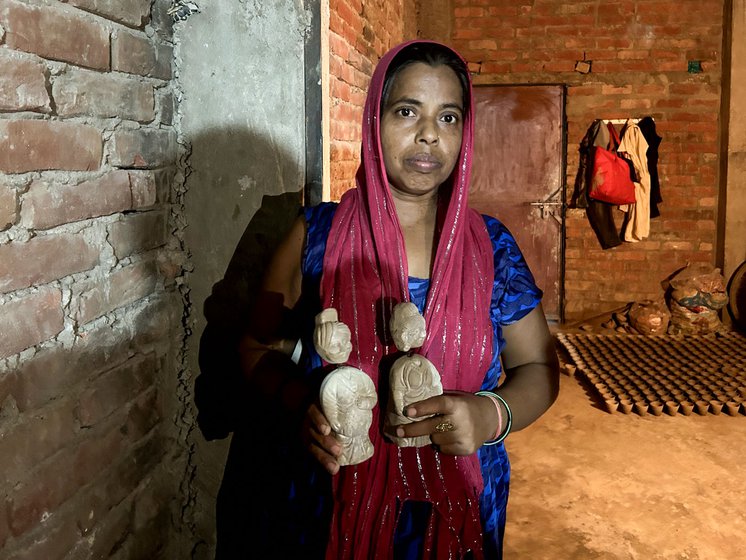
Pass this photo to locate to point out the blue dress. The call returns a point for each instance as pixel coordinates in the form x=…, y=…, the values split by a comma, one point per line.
x=514, y=295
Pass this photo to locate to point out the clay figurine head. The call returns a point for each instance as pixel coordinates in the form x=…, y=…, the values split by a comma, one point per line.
x=331, y=338
x=407, y=326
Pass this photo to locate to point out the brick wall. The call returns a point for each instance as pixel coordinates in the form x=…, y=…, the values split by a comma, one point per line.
x=360, y=32
x=640, y=51
x=89, y=310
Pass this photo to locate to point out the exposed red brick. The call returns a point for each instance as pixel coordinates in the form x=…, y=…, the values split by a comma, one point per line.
x=144, y=189
x=50, y=373
x=82, y=92
x=111, y=532
x=29, y=320
x=53, y=371
x=119, y=288
x=47, y=204
x=8, y=207
x=35, y=145
x=114, y=389
x=43, y=259
x=167, y=108
x=137, y=233
x=135, y=53
x=143, y=148
x=45, y=490
x=22, y=83
x=35, y=438
x=134, y=13
x=56, y=33
x=119, y=483
x=54, y=541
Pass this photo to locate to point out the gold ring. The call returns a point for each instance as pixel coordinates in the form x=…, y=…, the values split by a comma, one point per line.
x=445, y=426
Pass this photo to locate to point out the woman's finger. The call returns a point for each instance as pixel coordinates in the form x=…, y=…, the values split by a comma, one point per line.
x=318, y=420
x=319, y=440
x=440, y=404
x=426, y=427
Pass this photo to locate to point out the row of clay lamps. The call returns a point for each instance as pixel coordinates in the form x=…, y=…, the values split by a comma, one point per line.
x=683, y=374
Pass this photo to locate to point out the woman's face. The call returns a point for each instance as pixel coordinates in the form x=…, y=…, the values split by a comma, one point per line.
x=421, y=128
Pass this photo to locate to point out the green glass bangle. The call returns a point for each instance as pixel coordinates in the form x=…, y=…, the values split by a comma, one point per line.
x=509, y=423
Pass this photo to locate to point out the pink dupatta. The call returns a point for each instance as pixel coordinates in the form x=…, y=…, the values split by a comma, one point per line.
x=364, y=275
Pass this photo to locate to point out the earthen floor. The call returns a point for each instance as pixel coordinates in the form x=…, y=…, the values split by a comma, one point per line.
x=587, y=484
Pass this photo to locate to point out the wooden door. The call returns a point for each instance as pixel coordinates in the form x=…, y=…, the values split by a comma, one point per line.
x=518, y=175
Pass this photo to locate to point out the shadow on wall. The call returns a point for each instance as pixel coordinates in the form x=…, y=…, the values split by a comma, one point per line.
x=237, y=176
x=252, y=480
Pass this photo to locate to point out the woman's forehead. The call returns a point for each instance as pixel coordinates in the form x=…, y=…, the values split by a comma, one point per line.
x=419, y=80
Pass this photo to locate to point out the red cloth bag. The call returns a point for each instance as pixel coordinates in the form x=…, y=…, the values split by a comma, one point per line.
x=610, y=179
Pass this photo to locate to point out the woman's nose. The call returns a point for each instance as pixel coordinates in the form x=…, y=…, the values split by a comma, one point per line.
x=427, y=133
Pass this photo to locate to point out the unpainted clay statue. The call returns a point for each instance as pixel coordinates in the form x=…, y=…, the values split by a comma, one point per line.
x=331, y=338
x=348, y=396
x=407, y=326
x=412, y=379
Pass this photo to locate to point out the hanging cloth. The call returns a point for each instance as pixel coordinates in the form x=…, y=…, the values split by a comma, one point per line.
x=634, y=147
x=647, y=126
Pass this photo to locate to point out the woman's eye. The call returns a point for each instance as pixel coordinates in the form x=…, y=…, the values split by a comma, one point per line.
x=404, y=112
x=450, y=118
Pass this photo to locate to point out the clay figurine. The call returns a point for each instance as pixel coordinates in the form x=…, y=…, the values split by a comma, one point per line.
x=407, y=326
x=331, y=338
x=412, y=379
x=348, y=396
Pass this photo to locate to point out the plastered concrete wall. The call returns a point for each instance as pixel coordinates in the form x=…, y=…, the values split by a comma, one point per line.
x=735, y=213
x=240, y=76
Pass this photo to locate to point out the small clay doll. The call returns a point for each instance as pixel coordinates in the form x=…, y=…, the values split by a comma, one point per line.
x=331, y=338
x=412, y=379
x=348, y=396
x=407, y=326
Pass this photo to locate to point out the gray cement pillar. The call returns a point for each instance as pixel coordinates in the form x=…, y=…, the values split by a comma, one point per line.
x=241, y=90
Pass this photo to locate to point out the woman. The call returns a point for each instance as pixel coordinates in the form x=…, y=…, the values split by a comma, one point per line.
x=406, y=234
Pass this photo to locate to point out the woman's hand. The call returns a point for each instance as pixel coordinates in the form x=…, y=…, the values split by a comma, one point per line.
x=318, y=439
x=474, y=421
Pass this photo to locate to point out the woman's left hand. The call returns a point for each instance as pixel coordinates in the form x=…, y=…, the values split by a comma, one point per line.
x=469, y=419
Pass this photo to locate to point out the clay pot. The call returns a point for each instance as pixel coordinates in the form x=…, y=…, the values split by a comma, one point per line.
x=641, y=408
x=701, y=407
x=656, y=407
x=625, y=405
x=716, y=407
x=611, y=405
x=732, y=408
x=671, y=407
x=686, y=407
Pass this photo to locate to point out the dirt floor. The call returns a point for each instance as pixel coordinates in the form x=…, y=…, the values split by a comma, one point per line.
x=587, y=484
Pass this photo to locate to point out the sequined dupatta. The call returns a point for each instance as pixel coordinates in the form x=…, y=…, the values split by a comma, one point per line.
x=365, y=274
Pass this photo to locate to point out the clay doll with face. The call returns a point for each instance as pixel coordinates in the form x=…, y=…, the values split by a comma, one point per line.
x=331, y=338
x=348, y=396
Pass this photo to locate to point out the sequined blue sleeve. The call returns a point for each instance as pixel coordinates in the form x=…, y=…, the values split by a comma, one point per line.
x=318, y=223
x=515, y=293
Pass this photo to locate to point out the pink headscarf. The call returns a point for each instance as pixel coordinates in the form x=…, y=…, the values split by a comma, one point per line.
x=364, y=276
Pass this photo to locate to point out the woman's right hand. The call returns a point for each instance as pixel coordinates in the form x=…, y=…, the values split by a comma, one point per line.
x=318, y=439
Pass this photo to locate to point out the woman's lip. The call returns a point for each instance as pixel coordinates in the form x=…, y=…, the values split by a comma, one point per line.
x=423, y=162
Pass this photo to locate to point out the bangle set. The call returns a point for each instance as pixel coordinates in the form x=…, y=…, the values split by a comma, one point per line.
x=494, y=397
